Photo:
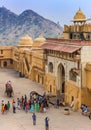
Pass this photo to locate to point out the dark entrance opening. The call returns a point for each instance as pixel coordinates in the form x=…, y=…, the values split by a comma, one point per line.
x=5, y=64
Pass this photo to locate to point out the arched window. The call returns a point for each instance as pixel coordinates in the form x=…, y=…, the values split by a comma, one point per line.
x=51, y=67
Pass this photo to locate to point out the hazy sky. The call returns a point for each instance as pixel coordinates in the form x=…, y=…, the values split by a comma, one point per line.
x=55, y=10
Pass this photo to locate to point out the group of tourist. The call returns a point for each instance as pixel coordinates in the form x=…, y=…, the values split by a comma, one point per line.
x=5, y=107
x=34, y=103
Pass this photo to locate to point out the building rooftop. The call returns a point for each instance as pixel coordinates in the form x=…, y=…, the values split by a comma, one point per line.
x=61, y=47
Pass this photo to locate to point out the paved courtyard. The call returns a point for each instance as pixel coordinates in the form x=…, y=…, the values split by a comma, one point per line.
x=23, y=121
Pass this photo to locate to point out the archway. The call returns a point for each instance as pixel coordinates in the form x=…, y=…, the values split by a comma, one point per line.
x=61, y=78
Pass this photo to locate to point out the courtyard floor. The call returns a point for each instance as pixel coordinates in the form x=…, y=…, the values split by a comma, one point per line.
x=23, y=121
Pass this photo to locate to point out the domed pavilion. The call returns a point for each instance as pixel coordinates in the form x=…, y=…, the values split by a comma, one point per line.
x=26, y=41
x=79, y=17
x=39, y=41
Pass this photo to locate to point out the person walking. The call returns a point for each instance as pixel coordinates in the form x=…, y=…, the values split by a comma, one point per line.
x=8, y=104
x=2, y=108
x=5, y=108
x=34, y=119
x=25, y=98
x=14, y=107
x=58, y=103
x=46, y=123
x=26, y=107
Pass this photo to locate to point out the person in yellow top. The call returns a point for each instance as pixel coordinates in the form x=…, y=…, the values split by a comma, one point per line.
x=2, y=108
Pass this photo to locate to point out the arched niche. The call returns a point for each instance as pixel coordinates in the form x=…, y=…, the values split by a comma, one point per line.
x=50, y=67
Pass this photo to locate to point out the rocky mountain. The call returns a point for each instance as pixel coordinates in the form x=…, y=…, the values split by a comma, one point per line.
x=13, y=27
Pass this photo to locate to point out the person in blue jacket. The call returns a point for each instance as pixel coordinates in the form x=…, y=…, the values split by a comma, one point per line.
x=34, y=119
x=46, y=123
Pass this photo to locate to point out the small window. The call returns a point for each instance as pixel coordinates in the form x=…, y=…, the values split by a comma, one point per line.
x=1, y=51
x=11, y=61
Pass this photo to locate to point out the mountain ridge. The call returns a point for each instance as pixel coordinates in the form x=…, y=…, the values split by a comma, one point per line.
x=13, y=26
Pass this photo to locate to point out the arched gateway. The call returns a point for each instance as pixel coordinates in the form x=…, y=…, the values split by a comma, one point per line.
x=61, y=78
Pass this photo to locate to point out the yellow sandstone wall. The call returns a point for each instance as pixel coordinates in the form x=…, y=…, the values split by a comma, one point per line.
x=50, y=83
x=88, y=75
x=86, y=96
x=72, y=91
x=88, y=79
x=65, y=35
x=9, y=65
x=6, y=57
